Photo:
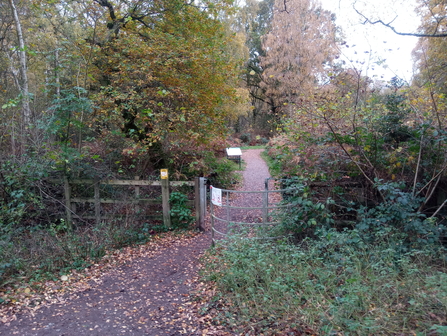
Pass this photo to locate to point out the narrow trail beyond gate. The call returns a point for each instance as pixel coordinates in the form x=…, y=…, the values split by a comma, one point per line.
x=149, y=294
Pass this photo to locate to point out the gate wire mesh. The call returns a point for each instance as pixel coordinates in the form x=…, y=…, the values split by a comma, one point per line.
x=250, y=214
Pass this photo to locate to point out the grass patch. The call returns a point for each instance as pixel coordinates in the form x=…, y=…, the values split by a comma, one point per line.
x=335, y=285
x=275, y=167
x=253, y=147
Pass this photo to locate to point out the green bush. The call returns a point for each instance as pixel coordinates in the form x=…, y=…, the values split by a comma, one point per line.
x=222, y=172
x=181, y=217
x=21, y=200
x=302, y=214
x=397, y=217
x=245, y=138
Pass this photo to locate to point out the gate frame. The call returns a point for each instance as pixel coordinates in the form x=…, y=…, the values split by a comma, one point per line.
x=265, y=210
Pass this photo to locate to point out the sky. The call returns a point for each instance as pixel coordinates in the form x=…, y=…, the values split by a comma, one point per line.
x=366, y=44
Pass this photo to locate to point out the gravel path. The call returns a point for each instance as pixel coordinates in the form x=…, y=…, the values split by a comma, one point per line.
x=255, y=172
x=246, y=197
x=147, y=295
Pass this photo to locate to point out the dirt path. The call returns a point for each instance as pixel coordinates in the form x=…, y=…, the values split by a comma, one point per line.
x=149, y=295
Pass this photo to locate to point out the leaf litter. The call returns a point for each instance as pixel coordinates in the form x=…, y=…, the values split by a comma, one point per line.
x=142, y=290
x=151, y=289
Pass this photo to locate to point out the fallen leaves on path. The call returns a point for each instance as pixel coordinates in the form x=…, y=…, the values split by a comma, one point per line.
x=30, y=298
x=144, y=290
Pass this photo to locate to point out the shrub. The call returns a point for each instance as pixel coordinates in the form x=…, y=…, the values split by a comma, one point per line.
x=245, y=138
x=303, y=214
x=222, y=172
x=181, y=216
x=397, y=217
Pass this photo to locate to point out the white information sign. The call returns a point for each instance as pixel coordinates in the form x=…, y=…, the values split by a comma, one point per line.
x=234, y=151
x=216, y=196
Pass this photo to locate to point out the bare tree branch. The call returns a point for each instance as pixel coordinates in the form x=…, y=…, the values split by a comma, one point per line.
x=106, y=3
x=285, y=7
x=388, y=25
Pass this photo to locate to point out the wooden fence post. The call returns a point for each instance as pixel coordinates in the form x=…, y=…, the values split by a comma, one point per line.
x=197, y=200
x=137, y=196
x=97, y=203
x=67, y=194
x=165, y=198
x=200, y=202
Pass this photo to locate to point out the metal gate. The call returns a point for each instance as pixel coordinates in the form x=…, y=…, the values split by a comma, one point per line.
x=252, y=214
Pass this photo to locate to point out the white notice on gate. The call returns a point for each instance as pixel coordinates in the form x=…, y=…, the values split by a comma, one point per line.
x=216, y=196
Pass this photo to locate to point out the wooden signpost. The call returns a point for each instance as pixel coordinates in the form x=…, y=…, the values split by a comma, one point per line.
x=165, y=197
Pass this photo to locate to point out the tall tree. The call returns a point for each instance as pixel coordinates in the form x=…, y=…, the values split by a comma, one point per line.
x=254, y=21
x=431, y=61
x=26, y=112
x=429, y=54
x=167, y=73
x=299, y=48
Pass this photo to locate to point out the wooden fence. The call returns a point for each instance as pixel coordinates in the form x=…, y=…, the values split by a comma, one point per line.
x=199, y=202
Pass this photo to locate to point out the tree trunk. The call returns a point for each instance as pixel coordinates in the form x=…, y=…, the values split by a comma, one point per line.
x=26, y=112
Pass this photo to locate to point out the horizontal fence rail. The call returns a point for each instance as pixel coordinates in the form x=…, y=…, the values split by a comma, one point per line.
x=130, y=198
x=133, y=182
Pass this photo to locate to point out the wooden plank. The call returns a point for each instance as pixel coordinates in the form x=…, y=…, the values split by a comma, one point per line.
x=111, y=201
x=131, y=183
x=128, y=182
x=119, y=182
x=104, y=217
x=135, y=182
x=97, y=201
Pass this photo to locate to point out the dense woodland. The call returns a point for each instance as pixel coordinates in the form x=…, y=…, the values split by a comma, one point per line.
x=122, y=88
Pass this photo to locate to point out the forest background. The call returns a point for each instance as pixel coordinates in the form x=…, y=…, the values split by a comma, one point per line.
x=121, y=88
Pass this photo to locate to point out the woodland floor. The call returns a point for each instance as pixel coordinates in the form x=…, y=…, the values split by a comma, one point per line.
x=144, y=290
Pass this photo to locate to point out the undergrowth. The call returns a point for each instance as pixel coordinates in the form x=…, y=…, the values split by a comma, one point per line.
x=336, y=284
x=41, y=253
